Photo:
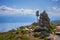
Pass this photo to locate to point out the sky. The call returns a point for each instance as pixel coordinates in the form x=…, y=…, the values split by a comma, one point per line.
x=12, y=11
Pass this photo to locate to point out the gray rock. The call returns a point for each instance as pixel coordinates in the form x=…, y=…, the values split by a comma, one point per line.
x=43, y=24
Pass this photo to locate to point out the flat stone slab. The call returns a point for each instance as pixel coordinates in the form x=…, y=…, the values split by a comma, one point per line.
x=54, y=37
x=57, y=37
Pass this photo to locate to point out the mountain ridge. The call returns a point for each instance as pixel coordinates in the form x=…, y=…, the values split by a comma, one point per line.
x=56, y=21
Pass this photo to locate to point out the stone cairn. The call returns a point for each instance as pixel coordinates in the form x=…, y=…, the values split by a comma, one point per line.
x=43, y=24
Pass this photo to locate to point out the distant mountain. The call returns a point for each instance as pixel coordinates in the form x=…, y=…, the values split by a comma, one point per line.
x=56, y=21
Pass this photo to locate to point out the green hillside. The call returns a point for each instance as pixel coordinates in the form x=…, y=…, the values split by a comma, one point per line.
x=22, y=33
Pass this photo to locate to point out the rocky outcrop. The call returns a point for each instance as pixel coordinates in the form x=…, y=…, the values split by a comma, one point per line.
x=43, y=24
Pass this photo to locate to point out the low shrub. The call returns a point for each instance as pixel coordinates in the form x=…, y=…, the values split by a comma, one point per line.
x=36, y=34
x=25, y=37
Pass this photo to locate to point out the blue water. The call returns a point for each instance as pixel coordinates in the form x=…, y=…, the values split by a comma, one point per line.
x=8, y=26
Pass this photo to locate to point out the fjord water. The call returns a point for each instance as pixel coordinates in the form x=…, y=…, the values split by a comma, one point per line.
x=8, y=26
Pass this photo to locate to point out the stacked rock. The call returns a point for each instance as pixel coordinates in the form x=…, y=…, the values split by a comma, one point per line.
x=43, y=24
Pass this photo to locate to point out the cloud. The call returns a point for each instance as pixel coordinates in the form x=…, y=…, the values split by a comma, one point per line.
x=53, y=14
x=55, y=0
x=54, y=11
x=56, y=8
x=9, y=10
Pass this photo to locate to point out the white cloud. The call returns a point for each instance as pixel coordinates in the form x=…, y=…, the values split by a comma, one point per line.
x=54, y=11
x=55, y=0
x=9, y=10
x=56, y=8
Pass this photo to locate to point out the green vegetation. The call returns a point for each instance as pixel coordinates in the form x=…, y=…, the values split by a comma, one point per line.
x=13, y=34
x=24, y=37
